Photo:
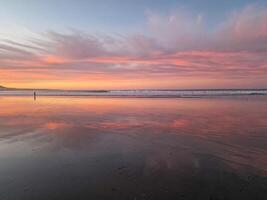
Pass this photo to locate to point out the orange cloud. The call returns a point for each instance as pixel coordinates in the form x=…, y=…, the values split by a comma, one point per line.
x=53, y=59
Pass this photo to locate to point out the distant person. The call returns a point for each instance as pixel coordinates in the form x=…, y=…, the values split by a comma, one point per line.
x=34, y=95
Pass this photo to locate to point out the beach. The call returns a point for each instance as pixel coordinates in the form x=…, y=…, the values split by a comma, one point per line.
x=74, y=147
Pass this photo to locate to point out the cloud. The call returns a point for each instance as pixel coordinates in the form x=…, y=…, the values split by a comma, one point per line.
x=249, y=24
x=245, y=30
x=172, y=46
x=75, y=45
x=178, y=30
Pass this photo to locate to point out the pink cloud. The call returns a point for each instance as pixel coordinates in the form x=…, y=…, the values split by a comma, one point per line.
x=175, y=45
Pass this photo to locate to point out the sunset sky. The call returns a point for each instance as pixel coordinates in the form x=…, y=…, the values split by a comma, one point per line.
x=137, y=44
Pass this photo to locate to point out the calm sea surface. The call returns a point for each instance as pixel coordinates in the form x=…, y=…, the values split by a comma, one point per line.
x=133, y=148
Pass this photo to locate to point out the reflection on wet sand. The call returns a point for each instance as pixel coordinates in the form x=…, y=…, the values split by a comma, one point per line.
x=133, y=148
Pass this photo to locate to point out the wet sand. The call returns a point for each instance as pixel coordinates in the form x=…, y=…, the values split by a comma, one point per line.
x=133, y=148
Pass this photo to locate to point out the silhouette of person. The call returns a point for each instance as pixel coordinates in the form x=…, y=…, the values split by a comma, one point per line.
x=34, y=95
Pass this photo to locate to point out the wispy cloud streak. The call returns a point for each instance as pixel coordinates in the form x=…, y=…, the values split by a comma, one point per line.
x=175, y=45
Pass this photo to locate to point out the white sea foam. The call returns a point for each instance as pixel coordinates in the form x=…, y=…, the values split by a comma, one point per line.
x=135, y=93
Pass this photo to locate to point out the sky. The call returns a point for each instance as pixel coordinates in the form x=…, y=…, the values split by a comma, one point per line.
x=138, y=44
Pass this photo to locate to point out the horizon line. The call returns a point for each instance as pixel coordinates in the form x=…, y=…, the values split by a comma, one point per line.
x=150, y=89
